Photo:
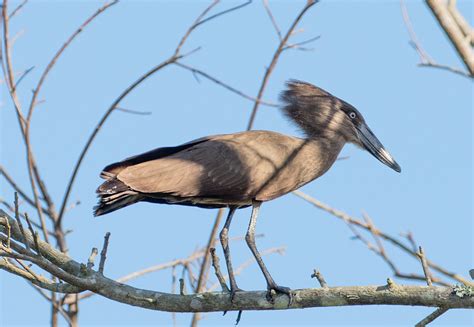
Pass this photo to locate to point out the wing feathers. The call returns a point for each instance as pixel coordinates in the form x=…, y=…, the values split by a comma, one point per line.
x=232, y=168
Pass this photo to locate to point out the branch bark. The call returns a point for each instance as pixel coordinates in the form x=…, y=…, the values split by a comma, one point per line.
x=78, y=275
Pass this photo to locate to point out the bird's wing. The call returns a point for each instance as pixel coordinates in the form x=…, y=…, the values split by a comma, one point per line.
x=211, y=167
x=115, y=168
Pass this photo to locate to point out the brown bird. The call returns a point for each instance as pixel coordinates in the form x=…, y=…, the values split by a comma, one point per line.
x=244, y=169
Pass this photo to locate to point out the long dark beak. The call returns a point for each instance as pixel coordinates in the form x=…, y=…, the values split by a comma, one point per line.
x=373, y=145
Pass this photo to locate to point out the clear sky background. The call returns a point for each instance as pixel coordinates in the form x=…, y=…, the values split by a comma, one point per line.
x=423, y=116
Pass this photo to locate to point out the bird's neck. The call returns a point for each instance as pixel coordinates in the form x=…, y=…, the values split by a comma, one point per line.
x=326, y=152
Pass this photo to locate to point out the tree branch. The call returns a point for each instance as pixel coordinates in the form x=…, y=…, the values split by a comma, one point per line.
x=467, y=30
x=196, y=71
x=77, y=275
x=453, y=32
x=276, y=56
x=354, y=222
x=425, y=59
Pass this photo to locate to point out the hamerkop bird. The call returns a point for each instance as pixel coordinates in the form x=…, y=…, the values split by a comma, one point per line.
x=244, y=169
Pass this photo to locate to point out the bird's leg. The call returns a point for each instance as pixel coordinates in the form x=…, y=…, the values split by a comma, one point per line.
x=250, y=239
x=224, y=237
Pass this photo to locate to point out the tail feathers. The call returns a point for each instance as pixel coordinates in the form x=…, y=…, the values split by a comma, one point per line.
x=111, y=186
x=113, y=195
x=103, y=208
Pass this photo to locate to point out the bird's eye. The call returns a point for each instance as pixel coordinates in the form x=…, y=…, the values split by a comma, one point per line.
x=352, y=115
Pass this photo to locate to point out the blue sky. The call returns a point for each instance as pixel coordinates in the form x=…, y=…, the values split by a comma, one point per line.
x=423, y=116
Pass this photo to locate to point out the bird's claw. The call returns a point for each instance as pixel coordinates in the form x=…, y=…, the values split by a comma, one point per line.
x=232, y=293
x=275, y=289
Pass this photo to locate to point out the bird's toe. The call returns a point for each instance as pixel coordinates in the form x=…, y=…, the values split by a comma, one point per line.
x=233, y=292
x=273, y=290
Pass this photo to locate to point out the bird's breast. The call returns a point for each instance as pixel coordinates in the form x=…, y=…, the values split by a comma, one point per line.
x=277, y=168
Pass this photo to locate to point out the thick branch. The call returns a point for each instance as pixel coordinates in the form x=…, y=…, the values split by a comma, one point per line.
x=72, y=272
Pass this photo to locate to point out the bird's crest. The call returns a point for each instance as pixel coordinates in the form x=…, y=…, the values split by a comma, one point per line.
x=310, y=107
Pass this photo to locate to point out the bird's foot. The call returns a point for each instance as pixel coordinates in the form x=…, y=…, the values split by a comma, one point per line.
x=274, y=289
x=233, y=291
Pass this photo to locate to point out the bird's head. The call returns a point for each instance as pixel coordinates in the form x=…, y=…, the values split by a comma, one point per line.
x=322, y=115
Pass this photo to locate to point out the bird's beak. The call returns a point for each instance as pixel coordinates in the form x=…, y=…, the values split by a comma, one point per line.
x=373, y=145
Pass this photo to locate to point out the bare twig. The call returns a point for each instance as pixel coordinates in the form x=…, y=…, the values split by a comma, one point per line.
x=428, y=319
x=317, y=274
x=191, y=276
x=22, y=76
x=217, y=270
x=58, y=54
x=425, y=59
x=34, y=233
x=17, y=217
x=272, y=18
x=409, y=236
x=17, y=9
x=207, y=253
x=9, y=233
x=28, y=269
x=203, y=21
x=57, y=306
x=194, y=25
x=375, y=233
x=7, y=65
x=135, y=112
x=12, y=210
x=354, y=222
x=453, y=32
x=39, y=281
x=90, y=261
x=103, y=253
x=299, y=44
x=16, y=187
x=446, y=67
x=226, y=86
x=426, y=270
x=203, y=272
x=273, y=62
